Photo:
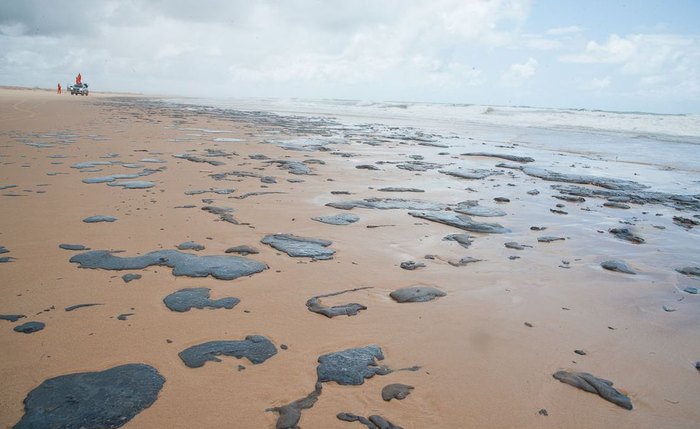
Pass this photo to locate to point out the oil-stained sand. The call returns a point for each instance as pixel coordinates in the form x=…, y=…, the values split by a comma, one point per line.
x=497, y=336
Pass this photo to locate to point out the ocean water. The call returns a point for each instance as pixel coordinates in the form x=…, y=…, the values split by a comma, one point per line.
x=673, y=127
x=665, y=142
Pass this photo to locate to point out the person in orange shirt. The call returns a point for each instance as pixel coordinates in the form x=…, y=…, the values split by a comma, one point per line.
x=59, y=89
x=78, y=79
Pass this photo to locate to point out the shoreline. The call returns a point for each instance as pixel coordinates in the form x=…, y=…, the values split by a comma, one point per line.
x=97, y=93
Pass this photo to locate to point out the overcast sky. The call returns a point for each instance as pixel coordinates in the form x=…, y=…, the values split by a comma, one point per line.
x=638, y=55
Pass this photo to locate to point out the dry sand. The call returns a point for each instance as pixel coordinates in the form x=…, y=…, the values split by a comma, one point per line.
x=481, y=365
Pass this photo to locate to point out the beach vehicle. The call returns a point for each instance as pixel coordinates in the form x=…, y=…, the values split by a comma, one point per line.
x=79, y=89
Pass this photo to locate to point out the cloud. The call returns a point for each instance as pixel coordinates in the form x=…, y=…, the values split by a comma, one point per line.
x=472, y=51
x=534, y=41
x=639, y=53
x=454, y=75
x=77, y=17
x=233, y=44
x=558, y=31
x=615, y=50
x=519, y=73
x=599, y=83
x=655, y=64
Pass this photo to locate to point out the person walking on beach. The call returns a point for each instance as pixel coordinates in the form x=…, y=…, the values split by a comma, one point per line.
x=58, y=91
x=78, y=79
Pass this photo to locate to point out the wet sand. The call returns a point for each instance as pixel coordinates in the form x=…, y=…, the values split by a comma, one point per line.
x=487, y=349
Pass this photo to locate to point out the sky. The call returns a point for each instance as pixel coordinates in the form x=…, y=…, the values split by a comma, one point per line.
x=633, y=55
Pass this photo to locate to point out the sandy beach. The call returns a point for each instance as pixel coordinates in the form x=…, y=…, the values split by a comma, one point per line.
x=518, y=304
